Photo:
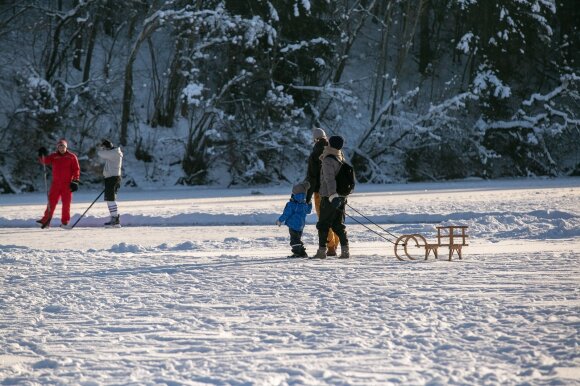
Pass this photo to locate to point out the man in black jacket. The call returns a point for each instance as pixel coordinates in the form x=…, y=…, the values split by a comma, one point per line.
x=313, y=177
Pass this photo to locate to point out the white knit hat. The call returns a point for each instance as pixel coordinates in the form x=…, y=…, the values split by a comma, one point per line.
x=317, y=133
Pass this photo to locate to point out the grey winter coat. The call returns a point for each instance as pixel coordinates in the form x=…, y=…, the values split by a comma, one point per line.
x=329, y=170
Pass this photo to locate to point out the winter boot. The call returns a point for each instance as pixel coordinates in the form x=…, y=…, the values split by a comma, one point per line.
x=44, y=224
x=298, y=255
x=344, y=252
x=320, y=254
x=113, y=223
x=298, y=252
x=64, y=225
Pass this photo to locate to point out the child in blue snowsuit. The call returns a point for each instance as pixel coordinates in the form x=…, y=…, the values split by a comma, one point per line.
x=294, y=216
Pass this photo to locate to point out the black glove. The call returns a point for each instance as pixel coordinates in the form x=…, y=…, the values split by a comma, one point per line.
x=74, y=185
x=42, y=152
x=338, y=202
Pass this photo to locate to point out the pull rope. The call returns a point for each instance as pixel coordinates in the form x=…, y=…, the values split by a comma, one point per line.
x=372, y=230
x=371, y=221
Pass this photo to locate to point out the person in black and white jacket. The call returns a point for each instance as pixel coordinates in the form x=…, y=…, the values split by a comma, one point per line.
x=113, y=157
x=332, y=204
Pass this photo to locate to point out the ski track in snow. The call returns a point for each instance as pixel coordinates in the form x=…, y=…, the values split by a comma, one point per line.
x=222, y=305
x=154, y=317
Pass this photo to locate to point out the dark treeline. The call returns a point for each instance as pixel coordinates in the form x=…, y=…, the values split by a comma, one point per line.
x=421, y=89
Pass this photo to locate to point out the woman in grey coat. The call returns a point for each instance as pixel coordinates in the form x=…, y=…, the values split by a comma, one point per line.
x=313, y=177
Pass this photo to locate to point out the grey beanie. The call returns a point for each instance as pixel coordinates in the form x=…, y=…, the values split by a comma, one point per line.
x=301, y=187
x=317, y=133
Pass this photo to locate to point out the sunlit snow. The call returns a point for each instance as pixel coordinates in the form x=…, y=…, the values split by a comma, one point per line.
x=196, y=289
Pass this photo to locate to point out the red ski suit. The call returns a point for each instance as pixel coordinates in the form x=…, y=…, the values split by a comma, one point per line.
x=65, y=168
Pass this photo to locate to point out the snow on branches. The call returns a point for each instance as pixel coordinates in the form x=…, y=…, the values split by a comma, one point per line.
x=487, y=81
x=551, y=112
x=542, y=126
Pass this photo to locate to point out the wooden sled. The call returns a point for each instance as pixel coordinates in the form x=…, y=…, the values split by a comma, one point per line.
x=452, y=236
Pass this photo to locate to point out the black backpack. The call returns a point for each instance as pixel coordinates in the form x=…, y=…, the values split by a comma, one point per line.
x=345, y=179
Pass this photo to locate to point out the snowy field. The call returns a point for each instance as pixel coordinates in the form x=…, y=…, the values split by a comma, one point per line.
x=196, y=289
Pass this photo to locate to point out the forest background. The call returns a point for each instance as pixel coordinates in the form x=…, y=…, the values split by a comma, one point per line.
x=226, y=92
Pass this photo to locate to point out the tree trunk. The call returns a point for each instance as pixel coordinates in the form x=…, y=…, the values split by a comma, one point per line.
x=424, y=38
x=56, y=54
x=167, y=95
x=174, y=86
x=78, y=51
x=348, y=45
x=147, y=30
x=90, y=50
x=382, y=62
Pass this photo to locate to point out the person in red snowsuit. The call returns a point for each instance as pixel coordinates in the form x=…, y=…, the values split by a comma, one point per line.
x=65, y=180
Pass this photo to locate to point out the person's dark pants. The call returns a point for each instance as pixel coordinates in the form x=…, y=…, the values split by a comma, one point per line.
x=331, y=218
x=296, y=241
x=112, y=185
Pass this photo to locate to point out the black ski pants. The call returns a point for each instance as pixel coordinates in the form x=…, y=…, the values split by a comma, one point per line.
x=331, y=218
x=296, y=241
x=112, y=185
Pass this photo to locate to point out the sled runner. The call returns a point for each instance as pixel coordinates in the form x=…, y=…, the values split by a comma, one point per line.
x=451, y=236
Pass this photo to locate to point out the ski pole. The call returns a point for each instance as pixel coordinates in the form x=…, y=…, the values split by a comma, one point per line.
x=45, y=177
x=46, y=190
x=90, y=206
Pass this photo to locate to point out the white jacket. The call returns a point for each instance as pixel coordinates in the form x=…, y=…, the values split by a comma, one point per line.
x=113, y=161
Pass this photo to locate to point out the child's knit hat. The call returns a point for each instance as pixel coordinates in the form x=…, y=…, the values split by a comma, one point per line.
x=301, y=187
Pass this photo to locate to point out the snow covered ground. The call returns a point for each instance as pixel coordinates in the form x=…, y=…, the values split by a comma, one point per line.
x=196, y=289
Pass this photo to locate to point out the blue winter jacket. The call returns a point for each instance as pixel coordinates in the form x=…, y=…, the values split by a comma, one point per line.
x=295, y=211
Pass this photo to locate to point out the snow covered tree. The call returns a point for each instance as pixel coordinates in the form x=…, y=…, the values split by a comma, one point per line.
x=258, y=98
x=537, y=138
x=422, y=89
x=504, y=41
